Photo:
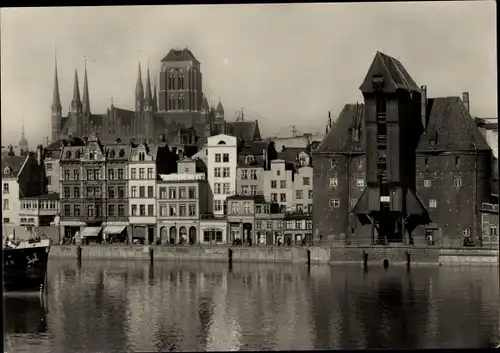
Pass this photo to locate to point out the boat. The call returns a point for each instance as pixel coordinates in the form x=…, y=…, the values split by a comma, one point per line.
x=25, y=265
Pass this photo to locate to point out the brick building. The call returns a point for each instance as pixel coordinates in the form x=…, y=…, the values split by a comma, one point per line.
x=371, y=187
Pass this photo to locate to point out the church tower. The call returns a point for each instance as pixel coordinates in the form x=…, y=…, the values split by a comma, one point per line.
x=76, y=115
x=148, y=113
x=23, y=143
x=139, y=103
x=86, y=105
x=56, y=108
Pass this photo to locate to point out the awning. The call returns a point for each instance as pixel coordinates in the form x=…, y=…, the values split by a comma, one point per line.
x=114, y=229
x=90, y=231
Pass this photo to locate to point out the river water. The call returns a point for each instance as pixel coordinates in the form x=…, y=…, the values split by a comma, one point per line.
x=112, y=306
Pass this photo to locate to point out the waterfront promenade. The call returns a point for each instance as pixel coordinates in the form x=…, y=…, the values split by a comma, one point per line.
x=372, y=256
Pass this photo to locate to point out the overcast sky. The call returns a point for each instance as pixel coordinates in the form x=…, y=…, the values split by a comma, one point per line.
x=285, y=64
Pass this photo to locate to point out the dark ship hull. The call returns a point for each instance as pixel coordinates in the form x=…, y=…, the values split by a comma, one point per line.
x=25, y=266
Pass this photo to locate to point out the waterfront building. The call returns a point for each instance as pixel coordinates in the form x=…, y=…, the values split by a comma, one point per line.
x=51, y=155
x=298, y=226
x=142, y=192
x=269, y=222
x=253, y=159
x=278, y=183
x=22, y=176
x=302, y=195
x=37, y=215
x=241, y=217
x=182, y=198
x=222, y=157
x=370, y=187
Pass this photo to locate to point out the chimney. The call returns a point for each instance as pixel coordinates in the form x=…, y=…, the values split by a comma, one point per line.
x=465, y=99
x=264, y=154
x=423, y=107
x=329, y=119
x=46, y=141
x=39, y=150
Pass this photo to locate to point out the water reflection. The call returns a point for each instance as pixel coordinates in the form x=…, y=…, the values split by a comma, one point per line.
x=137, y=306
x=24, y=315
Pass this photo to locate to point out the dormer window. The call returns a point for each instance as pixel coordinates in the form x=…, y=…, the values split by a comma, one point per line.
x=121, y=153
x=249, y=159
x=6, y=171
x=355, y=135
x=77, y=154
x=333, y=165
x=112, y=154
x=457, y=161
x=141, y=156
x=378, y=82
x=91, y=155
x=432, y=142
x=68, y=154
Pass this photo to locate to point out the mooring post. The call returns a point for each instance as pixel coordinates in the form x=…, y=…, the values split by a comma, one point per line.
x=151, y=254
x=78, y=252
x=365, y=258
x=408, y=258
x=230, y=255
x=308, y=257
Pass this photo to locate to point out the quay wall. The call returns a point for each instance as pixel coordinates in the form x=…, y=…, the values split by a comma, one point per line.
x=370, y=256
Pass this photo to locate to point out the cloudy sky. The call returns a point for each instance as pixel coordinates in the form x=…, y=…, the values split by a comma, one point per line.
x=285, y=64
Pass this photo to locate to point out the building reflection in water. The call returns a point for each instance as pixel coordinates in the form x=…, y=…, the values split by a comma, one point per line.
x=24, y=315
x=134, y=306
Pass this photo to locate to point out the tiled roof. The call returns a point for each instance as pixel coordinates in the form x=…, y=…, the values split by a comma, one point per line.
x=118, y=151
x=339, y=138
x=14, y=164
x=244, y=130
x=180, y=55
x=450, y=127
x=254, y=148
x=391, y=69
x=291, y=154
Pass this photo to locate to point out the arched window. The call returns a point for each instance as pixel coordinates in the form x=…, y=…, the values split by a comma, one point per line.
x=91, y=155
x=221, y=143
x=249, y=159
x=68, y=154
x=457, y=161
x=141, y=156
x=77, y=154
x=111, y=154
x=6, y=171
x=122, y=153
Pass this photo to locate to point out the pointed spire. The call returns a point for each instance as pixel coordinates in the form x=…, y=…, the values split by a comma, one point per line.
x=76, y=90
x=139, y=89
x=56, y=98
x=155, y=99
x=86, y=100
x=148, y=95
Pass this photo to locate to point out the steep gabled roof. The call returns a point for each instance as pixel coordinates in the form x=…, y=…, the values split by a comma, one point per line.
x=450, y=128
x=14, y=165
x=244, y=130
x=394, y=73
x=180, y=55
x=339, y=137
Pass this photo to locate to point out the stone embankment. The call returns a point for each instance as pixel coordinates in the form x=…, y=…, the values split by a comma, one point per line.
x=369, y=256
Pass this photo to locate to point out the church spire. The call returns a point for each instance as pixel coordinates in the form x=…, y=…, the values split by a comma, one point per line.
x=155, y=99
x=148, y=95
x=56, y=98
x=76, y=90
x=139, y=89
x=86, y=100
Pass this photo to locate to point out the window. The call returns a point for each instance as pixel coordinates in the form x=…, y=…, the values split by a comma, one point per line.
x=134, y=210
x=133, y=191
x=234, y=208
x=466, y=232
x=306, y=181
x=192, y=192
x=90, y=210
x=141, y=173
x=457, y=182
x=298, y=224
x=269, y=224
x=299, y=208
x=253, y=189
x=217, y=158
x=172, y=210
x=76, y=210
x=76, y=174
x=335, y=203
x=309, y=224
x=97, y=191
x=360, y=183
x=120, y=174
x=247, y=207
x=267, y=209
x=141, y=156
x=66, y=192
x=282, y=184
x=111, y=174
x=151, y=210
x=182, y=210
x=299, y=194
x=253, y=174
x=133, y=173
x=426, y=163
x=66, y=175
x=226, y=188
x=5, y=204
x=333, y=165
x=97, y=174
x=273, y=184
x=282, y=197
x=171, y=193
x=217, y=188
x=244, y=189
x=150, y=173
x=217, y=205
x=274, y=197
x=111, y=210
x=5, y=188
x=310, y=194
x=217, y=172
x=432, y=203
x=163, y=210
x=258, y=224
x=90, y=191
x=427, y=183
x=225, y=158
x=111, y=192
x=192, y=210
x=150, y=192
x=76, y=192
x=244, y=174
x=258, y=209
x=163, y=193
x=67, y=210
x=49, y=180
x=289, y=224
x=334, y=182
x=49, y=167
x=52, y=205
x=225, y=172
x=142, y=191
x=121, y=192
x=278, y=172
x=457, y=161
x=142, y=210
x=281, y=225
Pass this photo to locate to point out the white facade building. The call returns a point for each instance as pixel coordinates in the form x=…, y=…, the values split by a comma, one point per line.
x=302, y=195
x=222, y=160
x=142, y=192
